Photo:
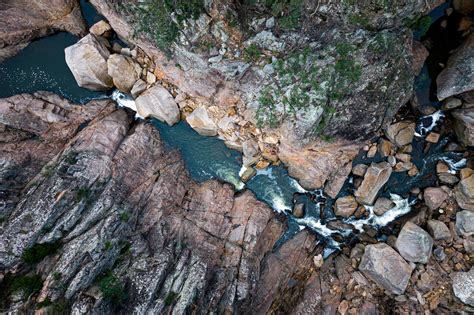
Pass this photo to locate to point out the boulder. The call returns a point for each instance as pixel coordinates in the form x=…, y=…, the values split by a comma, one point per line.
x=434, y=197
x=345, y=206
x=458, y=75
x=439, y=230
x=101, y=28
x=87, y=60
x=383, y=265
x=382, y=205
x=359, y=169
x=414, y=243
x=420, y=53
x=124, y=72
x=401, y=133
x=250, y=152
x=248, y=174
x=374, y=179
x=464, y=125
x=138, y=88
x=298, y=210
x=463, y=286
x=465, y=222
x=157, y=102
x=464, y=193
x=200, y=121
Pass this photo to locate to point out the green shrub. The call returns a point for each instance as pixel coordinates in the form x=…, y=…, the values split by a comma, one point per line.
x=252, y=53
x=82, y=193
x=112, y=289
x=171, y=298
x=47, y=302
x=154, y=19
x=26, y=284
x=36, y=253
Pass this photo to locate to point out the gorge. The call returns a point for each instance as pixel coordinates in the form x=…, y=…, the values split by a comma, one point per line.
x=103, y=212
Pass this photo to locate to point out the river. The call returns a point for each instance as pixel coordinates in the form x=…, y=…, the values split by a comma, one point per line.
x=41, y=66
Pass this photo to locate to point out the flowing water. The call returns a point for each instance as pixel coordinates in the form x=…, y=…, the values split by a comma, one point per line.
x=41, y=66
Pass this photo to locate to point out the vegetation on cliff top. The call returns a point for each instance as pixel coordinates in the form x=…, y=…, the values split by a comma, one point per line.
x=161, y=20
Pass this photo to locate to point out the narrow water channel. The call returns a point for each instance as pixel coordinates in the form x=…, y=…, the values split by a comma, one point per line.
x=41, y=66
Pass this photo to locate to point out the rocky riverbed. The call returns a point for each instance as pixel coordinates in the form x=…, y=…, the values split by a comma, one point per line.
x=99, y=215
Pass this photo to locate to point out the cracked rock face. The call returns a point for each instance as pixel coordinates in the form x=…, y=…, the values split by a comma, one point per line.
x=21, y=21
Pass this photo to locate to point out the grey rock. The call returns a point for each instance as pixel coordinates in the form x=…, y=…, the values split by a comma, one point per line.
x=439, y=230
x=87, y=60
x=465, y=222
x=463, y=286
x=458, y=75
x=464, y=193
x=138, y=88
x=414, y=243
x=383, y=265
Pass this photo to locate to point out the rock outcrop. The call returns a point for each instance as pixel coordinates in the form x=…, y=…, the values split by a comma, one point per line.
x=87, y=60
x=458, y=75
x=21, y=21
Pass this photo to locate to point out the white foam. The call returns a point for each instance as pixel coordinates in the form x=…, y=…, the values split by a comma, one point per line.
x=294, y=183
x=402, y=207
x=435, y=118
x=453, y=165
x=124, y=100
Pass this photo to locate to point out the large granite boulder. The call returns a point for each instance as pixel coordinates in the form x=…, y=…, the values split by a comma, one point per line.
x=200, y=121
x=375, y=177
x=383, y=265
x=87, y=60
x=21, y=21
x=464, y=125
x=463, y=286
x=464, y=193
x=414, y=243
x=157, y=102
x=124, y=71
x=458, y=75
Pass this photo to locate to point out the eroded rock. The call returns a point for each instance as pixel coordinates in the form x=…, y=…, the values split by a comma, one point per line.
x=124, y=72
x=464, y=125
x=87, y=60
x=401, y=133
x=463, y=286
x=465, y=222
x=200, y=121
x=434, y=197
x=345, y=206
x=157, y=102
x=464, y=193
x=458, y=75
x=414, y=243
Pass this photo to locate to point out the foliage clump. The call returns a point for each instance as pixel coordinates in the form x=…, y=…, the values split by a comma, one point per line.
x=36, y=253
x=162, y=20
x=112, y=289
x=304, y=83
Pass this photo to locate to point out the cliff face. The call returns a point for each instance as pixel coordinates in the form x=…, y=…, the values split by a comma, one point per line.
x=305, y=91
x=114, y=204
x=21, y=21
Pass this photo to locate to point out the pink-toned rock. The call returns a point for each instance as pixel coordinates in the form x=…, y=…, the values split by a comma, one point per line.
x=375, y=177
x=434, y=197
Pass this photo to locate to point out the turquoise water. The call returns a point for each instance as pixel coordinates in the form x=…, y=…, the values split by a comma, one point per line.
x=41, y=66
